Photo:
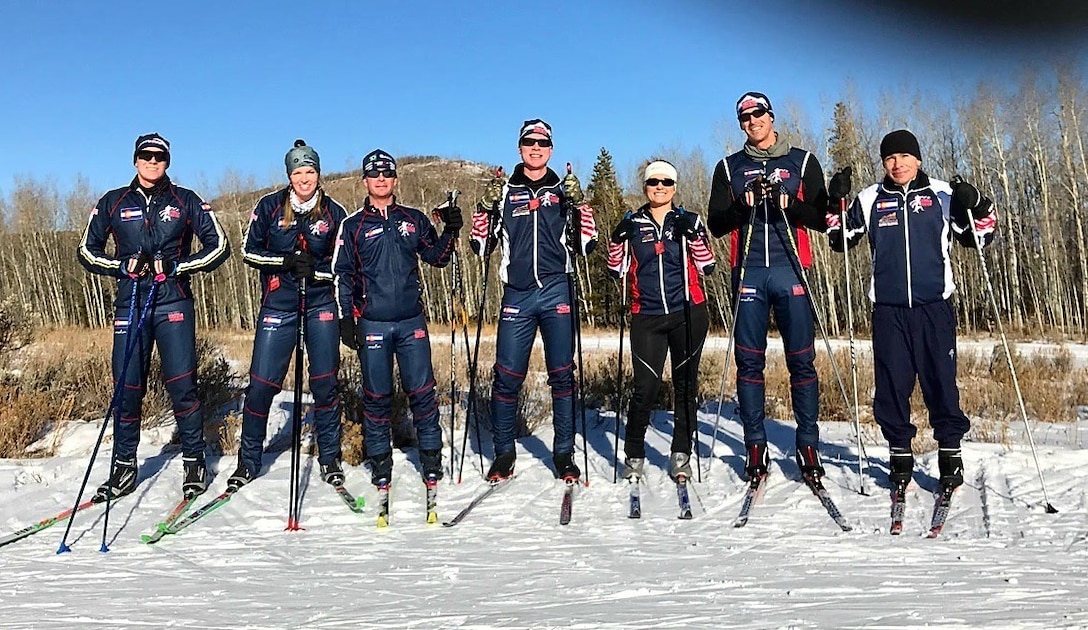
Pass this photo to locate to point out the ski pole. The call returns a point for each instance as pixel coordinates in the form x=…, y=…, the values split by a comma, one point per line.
x=1050, y=509
x=691, y=382
x=618, y=401
x=803, y=277
x=490, y=242
x=457, y=292
x=115, y=401
x=733, y=328
x=574, y=234
x=862, y=464
x=295, y=495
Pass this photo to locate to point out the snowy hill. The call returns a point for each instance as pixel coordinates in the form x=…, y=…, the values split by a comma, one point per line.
x=1000, y=562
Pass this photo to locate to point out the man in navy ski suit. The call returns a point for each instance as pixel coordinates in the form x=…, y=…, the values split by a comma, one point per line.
x=911, y=220
x=153, y=223
x=767, y=196
x=290, y=240
x=379, y=299
x=535, y=232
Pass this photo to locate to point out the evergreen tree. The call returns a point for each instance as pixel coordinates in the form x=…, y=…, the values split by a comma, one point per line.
x=606, y=199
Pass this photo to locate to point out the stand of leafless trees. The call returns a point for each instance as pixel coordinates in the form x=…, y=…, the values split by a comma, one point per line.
x=1023, y=144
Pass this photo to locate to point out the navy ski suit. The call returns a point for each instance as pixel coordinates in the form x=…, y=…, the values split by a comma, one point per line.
x=376, y=268
x=537, y=293
x=159, y=222
x=267, y=241
x=914, y=325
x=770, y=246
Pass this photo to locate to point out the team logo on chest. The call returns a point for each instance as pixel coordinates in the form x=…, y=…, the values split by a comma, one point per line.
x=778, y=175
x=404, y=228
x=319, y=228
x=920, y=203
x=169, y=213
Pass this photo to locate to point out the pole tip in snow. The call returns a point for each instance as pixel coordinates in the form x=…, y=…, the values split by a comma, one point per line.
x=1050, y=509
x=63, y=549
x=104, y=548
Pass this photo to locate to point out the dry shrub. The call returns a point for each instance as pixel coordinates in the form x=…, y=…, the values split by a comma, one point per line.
x=25, y=416
x=66, y=376
x=222, y=434
x=15, y=328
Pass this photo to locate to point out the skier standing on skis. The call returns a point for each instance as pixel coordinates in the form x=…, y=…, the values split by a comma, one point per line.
x=536, y=237
x=647, y=245
x=911, y=220
x=153, y=223
x=290, y=240
x=379, y=297
x=766, y=196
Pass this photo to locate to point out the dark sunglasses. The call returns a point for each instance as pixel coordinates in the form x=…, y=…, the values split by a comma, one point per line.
x=653, y=181
x=385, y=172
x=759, y=113
x=153, y=156
x=528, y=142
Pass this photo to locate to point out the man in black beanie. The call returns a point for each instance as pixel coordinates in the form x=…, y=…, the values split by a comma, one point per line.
x=910, y=219
x=153, y=224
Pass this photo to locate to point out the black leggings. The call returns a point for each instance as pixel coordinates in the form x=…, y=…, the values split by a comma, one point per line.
x=651, y=337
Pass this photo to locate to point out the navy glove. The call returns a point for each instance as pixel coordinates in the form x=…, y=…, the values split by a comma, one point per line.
x=686, y=226
x=452, y=217
x=624, y=230
x=968, y=197
x=348, y=335
x=839, y=187
x=300, y=264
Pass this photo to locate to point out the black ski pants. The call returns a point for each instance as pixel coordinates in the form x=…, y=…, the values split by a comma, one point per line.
x=652, y=336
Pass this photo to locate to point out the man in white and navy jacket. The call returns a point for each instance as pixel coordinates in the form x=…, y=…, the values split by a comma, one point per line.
x=911, y=221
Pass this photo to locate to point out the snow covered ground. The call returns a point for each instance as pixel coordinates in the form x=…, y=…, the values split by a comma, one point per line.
x=1001, y=561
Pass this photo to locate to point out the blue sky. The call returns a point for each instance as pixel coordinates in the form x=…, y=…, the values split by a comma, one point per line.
x=232, y=84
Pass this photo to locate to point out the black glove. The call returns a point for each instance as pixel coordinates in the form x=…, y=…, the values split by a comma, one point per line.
x=685, y=226
x=452, y=217
x=624, y=230
x=164, y=268
x=839, y=187
x=348, y=335
x=299, y=264
x=135, y=266
x=969, y=198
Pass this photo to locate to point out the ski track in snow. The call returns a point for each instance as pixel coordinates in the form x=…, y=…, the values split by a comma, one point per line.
x=1000, y=561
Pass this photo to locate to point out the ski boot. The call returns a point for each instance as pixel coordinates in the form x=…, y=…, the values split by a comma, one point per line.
x=431, y=464
x=950, y=464
x=122, y=481
x=332, y=473
x=381, y=469
x=632, y=468
x=680, y=467
x=502, y=467
x=196, y=476
x=808, y=459
x=240, y=477
x=565, y=468
x=758, y=460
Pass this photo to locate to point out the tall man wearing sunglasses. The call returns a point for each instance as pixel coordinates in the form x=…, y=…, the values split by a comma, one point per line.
x=153, y=223
x=379, y=297
x=530, y=212
x=765, y=197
